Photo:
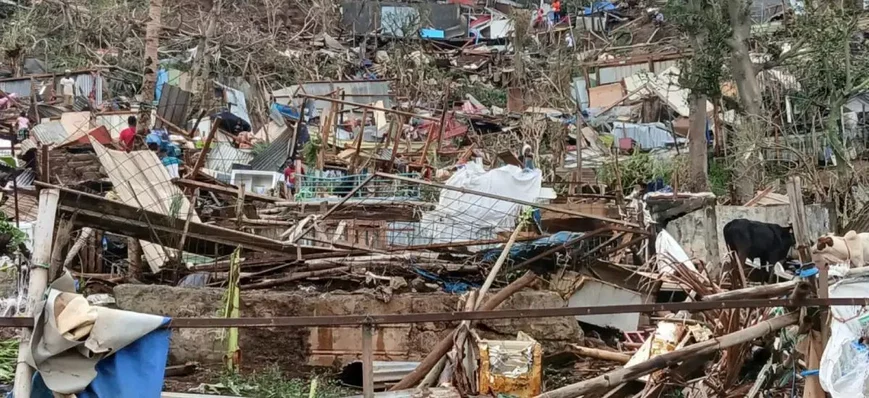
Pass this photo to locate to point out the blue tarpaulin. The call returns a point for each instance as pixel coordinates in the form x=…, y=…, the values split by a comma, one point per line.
x=136, y=370
x=162, y=78
x=454, y=286
x=521, y=251
x=599, y=7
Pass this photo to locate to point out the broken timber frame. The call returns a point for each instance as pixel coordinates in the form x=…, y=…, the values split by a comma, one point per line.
x=103, y=214
x=506, y=199
x=482, y=314
x=366, y=106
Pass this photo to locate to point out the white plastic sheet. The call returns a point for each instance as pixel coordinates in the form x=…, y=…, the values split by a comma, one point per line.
x=463, y=217
x=845, y=365
x=666, y=244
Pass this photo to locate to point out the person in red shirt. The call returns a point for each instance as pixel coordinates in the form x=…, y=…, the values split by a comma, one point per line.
x=128, y=135
x=556, y=10
x=290, y=175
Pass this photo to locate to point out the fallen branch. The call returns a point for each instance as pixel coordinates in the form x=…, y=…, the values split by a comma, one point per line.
x=616, y=377
x=444, y=346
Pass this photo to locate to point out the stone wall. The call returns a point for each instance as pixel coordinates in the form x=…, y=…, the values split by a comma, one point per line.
x=688, y=230
x=326, y=346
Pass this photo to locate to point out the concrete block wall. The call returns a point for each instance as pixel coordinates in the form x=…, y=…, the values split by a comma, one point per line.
x=688, y=230
x=332, y=345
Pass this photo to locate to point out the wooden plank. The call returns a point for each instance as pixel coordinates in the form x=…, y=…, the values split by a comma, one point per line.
x=509, y=158
x=367, y=361
x=43, y=235
x=112, y=216
x=230, y=190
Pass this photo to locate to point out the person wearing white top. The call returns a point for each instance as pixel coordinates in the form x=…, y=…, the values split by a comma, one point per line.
x=68, y=86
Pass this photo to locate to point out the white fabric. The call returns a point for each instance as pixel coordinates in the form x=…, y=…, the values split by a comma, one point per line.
x=173, y=171
x=666, y=244
x=463, y=217
x=67, y=366
x=68, y=84
x=844, y=370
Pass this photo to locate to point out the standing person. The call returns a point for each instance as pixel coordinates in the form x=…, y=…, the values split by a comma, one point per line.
x=23, y=127
x=290, y=176
x=556, y=10
x=68, y=85
x=128, y=135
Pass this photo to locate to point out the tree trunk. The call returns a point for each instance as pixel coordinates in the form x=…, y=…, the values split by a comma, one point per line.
x=149, y=83
x=697, y=151
x=749, y=159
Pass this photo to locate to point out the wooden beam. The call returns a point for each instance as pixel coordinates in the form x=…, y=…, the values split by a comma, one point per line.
x=366, y=106
x=233, y=191
x=112, y=216
x=204, y=153
x=42, y=239
x=173, y=127
x=616, y=377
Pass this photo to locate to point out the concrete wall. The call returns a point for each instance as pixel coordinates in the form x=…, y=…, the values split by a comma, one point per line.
x=688, y=230
x=325, y=346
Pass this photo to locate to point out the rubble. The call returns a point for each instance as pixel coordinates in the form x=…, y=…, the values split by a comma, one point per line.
x=314, y=184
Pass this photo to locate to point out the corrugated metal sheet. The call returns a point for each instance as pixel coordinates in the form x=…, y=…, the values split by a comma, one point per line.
x=173, y=106
x=615, y=74
x=362, y=91
x=580, y=92
x=661, y=66
x=49, y=133
x=21, y=88
x=235, y=100
x=26, y=178
x=84, y=84
x=28, y=207
x=141, y=180
x=223, y=155
x=648, y=136
x=116, y=123
x=275, y=155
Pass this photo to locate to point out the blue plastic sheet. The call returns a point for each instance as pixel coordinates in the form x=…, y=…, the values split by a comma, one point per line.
x=162, y=78
x=450, y=286
x=432, y=33
x=599, y=7
x=521, y=251
x=136, y=370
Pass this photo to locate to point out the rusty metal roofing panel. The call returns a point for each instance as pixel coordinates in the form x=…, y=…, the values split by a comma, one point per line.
x=223, y=155
x=49, y=133
x=361, y=91
x=275, y=155
x=173, y=106
x=21, y=88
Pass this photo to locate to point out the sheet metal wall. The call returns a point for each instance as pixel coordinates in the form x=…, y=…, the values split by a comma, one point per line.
x=354, y=91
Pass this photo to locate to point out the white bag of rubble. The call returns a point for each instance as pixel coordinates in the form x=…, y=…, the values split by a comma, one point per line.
x=844, y=368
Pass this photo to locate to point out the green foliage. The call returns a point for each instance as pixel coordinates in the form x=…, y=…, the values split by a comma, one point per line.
x=704, y=23
x=270, y=383
x=258, y=148
x=16, y=236
x=720, y=177
x=310, y=150
x=488, y=96
x=639, y=168
x=8, y=360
